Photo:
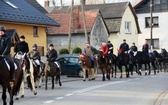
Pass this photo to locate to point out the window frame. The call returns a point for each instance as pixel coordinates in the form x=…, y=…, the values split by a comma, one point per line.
x=154, y=24
x=128, y=27
x=11, y=4
x=35, y=31
x=154, y=43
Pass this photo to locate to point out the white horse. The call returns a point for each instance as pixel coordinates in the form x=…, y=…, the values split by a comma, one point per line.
x=30, y=76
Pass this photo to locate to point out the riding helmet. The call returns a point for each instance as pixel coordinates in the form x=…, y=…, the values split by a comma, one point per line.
x=35, y=45
x=22, y=37
x=51, y=45
x=2, y=28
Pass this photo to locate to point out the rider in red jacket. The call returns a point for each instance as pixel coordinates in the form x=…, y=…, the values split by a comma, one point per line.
x=104, y=49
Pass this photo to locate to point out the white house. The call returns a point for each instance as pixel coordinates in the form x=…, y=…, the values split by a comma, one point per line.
x=159, y=29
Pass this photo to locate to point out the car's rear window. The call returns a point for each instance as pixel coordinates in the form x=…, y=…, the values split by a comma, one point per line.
x=73, y=60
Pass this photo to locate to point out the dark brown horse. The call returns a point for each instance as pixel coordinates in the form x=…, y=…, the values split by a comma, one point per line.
x=104, y=65
x=5, y=80
x=54, y=71
x=87, y=65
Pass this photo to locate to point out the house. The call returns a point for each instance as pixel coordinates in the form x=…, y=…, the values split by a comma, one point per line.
x=59, y=35
x=159, y=27
x=27, y=21
x=119, y=18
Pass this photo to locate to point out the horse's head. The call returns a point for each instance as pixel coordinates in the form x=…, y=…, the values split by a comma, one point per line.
x=100, y=53
x=81, y=58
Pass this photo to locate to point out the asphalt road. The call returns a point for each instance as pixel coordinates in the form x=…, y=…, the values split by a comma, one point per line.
x=136, y=90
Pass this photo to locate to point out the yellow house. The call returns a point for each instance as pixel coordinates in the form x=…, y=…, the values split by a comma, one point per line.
x=27, y=21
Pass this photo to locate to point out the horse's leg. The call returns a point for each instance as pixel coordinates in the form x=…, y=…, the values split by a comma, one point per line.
x=4, y=95
x=146, y=70
x=22, y=89
x=149, y=69
x=131, y=68
x=127, y=71
x=32, y=82
x=103, y=72
x=84, y=74
x=59, y=79
x=40, y=81
x=154, y=67
x=115, y=65
x=120, y=68
x=52, y=87
x=10, y=91
x=46, y=81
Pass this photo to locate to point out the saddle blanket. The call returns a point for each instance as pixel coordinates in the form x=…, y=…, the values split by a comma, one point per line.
x=9, y=65
x=37, y=62
x=57, y=64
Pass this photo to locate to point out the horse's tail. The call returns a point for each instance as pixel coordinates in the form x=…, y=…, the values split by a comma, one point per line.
x=19, y=82
x=29, y=83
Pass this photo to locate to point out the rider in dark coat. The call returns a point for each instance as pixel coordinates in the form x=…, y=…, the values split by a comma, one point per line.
x=5, y=47
x=110, y=48
x=124, y=46
x=51, y=54
x=23, y=47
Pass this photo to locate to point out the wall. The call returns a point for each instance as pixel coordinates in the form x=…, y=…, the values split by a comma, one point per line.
x=61, y=41
x=158, y=32
x=27, y=31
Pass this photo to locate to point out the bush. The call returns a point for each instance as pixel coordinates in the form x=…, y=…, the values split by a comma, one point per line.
x=94, y=51
x=77, y=50
x=64, y=51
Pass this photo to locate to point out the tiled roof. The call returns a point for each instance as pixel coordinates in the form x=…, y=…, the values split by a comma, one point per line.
x=64, y=18
x=35, y=4
x=111, y=10
x=25, y=13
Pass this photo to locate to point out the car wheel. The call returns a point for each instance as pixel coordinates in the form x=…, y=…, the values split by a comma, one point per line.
x=80, y=73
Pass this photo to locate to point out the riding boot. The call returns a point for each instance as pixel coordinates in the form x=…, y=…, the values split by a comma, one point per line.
x=12, y=68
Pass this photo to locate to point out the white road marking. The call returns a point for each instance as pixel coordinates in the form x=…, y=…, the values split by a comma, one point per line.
x=47, y=102
x=59, y=98
x=68, y=94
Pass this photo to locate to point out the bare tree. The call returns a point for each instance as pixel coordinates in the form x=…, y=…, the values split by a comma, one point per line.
x=70, y=26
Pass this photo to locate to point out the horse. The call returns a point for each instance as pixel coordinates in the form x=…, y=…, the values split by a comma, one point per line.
x=132, y=61
x=145, y=59
x=164, y=54
x=123, y=60
x=54, y=71
x=86, y=63
x=5, y=80
x=159, y=60
x=28, y=76
x=105, y=65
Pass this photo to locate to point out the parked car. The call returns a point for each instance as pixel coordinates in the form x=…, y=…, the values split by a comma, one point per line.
x=70, y=66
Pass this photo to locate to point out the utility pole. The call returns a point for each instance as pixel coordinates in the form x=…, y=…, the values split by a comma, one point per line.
x=84, y=21
x=70, y=26
x=151, y=24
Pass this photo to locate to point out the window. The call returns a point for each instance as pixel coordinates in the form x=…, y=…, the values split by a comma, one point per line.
x=73, y=60
x=156, y=2
x=35, y=31
x=155, y=22
x=155, y=43
x=9, y=3
x=127, y=27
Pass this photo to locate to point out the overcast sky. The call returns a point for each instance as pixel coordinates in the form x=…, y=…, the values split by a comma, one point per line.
x=77, y=1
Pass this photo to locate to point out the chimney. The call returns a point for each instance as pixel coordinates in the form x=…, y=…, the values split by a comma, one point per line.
x=46, y=3
x=75, y=24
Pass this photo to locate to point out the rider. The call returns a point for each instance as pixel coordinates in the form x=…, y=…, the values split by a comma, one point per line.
x=104, y=49
x=145, y=48
x=35, y=56
x=124, y=46
x=51, y=55
x=89, y=53
x=5, y=47
x=134, y=49
x=22, y=46
x=110, y=48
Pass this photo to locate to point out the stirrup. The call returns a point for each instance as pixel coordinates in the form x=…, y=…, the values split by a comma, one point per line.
x=11, y=83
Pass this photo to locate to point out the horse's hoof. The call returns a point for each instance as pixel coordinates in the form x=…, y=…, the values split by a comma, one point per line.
x=39, y=86
x=22, y=96
x=60, y=84
x=35, y=86
x=84, y=80
x=16, y=98
x=120, y=76
x=115, y=76
x=35, y=93
x=93, y=78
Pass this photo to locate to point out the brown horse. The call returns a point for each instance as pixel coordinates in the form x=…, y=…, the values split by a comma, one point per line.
x=5, y=80
x=87, y=65
x=105, y=65
x=54, y=71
